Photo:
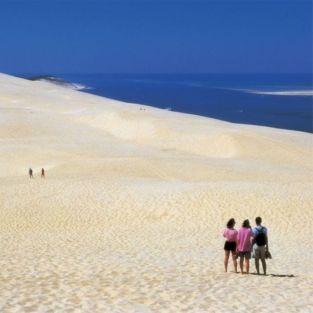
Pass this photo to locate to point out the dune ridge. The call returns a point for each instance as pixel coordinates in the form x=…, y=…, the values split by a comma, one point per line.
x=129, y=218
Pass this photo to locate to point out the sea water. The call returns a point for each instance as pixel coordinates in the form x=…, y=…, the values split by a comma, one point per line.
x=275, y=100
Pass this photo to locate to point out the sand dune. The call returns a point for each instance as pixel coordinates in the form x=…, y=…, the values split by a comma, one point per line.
x=129, y=218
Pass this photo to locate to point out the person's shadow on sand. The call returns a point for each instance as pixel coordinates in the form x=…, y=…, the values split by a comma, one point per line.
x=275, y=275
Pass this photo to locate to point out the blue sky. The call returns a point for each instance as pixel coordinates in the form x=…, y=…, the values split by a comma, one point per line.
x=151, y=36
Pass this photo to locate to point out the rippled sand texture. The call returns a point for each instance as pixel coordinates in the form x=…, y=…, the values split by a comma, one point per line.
x=129, y=218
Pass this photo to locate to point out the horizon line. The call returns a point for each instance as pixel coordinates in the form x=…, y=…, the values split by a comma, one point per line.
x=45, y=73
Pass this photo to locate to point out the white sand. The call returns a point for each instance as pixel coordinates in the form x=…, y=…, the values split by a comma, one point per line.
x=129, y=218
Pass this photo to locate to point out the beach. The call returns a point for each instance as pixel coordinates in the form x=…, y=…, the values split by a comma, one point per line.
x=130, y=215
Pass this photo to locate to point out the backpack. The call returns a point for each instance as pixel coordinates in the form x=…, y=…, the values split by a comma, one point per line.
x=260, y=238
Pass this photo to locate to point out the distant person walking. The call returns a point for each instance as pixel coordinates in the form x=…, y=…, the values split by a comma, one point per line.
x=260, y=245
x=244, y=239
x=230, y=233
x=30, y=173
x=42, y=173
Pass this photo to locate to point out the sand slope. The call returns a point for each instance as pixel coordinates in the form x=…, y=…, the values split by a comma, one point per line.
x=130, y=216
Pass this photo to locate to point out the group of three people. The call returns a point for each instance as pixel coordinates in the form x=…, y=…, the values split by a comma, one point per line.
x=244, y=241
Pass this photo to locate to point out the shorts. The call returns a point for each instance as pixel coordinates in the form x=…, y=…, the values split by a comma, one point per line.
x=259, y=252
x=245, y=254
x=230, y=246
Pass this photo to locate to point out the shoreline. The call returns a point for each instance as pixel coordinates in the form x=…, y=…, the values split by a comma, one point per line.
x=271, y=108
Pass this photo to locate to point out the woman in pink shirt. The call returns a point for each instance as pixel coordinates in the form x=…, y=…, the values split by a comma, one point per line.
x=230, y=233
x=244, y=246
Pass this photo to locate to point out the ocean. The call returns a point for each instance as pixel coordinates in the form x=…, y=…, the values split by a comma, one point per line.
x=275, y=100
